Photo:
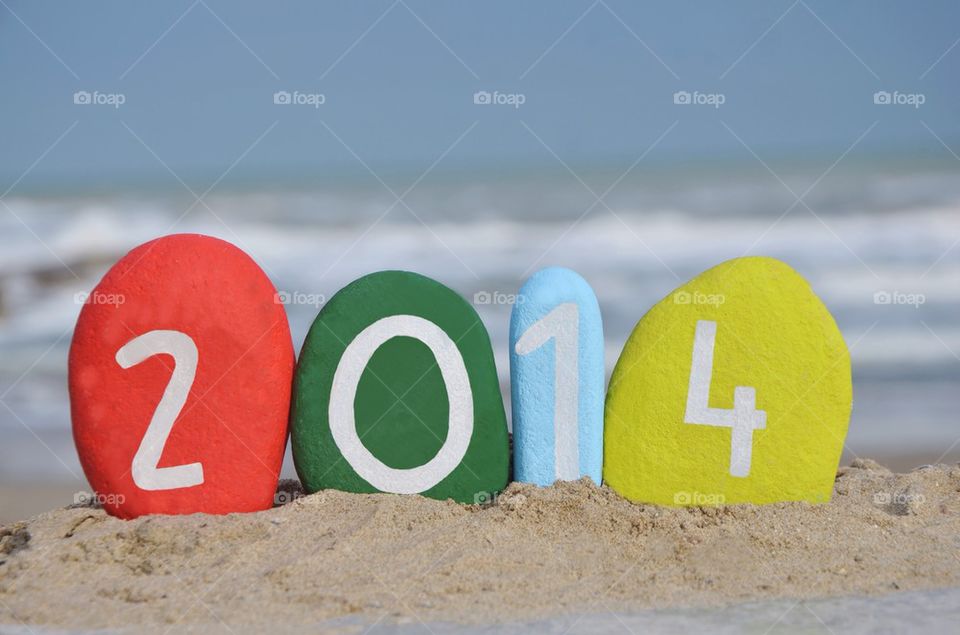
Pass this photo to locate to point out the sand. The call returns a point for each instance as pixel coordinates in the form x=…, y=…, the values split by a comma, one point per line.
x=533, y=553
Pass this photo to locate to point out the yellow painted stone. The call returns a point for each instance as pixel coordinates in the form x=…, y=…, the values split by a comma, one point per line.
x=735, y=388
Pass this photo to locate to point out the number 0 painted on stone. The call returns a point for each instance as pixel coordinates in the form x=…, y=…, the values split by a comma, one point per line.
x=343, y=424
x=396, y=391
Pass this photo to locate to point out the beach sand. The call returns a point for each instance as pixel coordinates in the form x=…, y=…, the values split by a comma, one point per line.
x=534, y=553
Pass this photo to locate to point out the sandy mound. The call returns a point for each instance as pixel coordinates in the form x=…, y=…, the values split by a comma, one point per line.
x=534, y=552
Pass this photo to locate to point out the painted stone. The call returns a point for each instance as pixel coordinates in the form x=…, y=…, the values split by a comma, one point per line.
x=735, y=388
x=556, y=379
x=180, y=374
x=396, y=391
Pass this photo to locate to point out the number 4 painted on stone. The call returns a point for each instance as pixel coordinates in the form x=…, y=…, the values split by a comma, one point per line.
x=743, y=419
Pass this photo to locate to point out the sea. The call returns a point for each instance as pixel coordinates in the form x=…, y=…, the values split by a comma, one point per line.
x=877, y=242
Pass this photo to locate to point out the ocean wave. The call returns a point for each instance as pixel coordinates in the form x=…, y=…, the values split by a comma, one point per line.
x=634, y=250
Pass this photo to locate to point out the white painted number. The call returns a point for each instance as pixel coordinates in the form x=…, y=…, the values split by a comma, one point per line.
x=742, y=420
x=562, y=325
x=180, y=346
x=346, y=378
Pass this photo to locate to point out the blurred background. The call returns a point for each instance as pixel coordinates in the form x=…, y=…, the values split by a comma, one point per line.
x=638, y=143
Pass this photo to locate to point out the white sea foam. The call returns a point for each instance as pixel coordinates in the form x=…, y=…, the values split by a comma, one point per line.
x=852, y=243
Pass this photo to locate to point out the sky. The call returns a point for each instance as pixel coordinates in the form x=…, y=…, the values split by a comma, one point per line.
x=186, y=90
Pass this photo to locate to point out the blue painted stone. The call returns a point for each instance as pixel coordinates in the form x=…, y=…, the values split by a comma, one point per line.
x=556, y=379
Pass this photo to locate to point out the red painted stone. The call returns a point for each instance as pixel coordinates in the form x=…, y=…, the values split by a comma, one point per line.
x=169, y=304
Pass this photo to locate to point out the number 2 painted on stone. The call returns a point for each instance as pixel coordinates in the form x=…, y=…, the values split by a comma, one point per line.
x=180, y=346
x=742, y=420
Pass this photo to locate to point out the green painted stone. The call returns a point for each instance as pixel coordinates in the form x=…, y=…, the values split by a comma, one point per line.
x=396, y=391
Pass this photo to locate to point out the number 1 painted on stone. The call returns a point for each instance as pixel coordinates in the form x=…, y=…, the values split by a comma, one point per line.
x=557, y=390
x=562, y=326
x=742, y=420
